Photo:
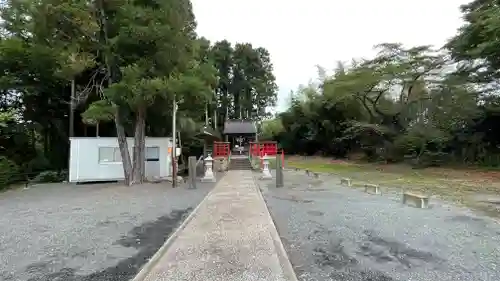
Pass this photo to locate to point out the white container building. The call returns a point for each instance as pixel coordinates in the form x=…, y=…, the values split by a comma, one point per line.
x=94, y=159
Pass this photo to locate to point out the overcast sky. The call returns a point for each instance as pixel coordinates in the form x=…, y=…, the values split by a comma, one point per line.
x=302, y=34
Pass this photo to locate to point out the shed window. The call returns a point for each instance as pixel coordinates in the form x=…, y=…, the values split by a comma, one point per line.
x=109, y=155
x=152, y=153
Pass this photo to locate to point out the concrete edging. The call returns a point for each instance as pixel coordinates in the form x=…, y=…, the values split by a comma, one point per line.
x=350, y=184
x=309, y=172
x=286, y=265
x=146, y=268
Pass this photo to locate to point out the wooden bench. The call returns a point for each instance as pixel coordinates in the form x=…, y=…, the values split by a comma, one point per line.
x=420, y=201
x=345, y=181
x=372, y=188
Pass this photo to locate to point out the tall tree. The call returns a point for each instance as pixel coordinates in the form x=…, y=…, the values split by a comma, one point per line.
x=246, y=86
x=42, y=56
x=477, y=42
x=222, y=56
x=149, y=56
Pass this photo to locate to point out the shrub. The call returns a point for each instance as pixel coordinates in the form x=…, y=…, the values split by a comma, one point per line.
x=9, y=172
x=50, y=176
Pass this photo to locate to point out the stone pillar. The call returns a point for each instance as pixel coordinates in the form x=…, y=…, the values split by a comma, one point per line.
x=209, y=173
x=192, y=171
x=279, y=172
x=266, y=174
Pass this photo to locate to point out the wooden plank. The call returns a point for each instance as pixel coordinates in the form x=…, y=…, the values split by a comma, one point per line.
x=346, y=181
x=420, y=201
x=372, y=188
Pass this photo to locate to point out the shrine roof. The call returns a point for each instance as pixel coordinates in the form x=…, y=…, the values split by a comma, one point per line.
x=239, y=126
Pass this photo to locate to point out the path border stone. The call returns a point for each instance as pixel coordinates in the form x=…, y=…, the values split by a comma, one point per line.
x=346, y=181
x=421, y=201
x=287, y=267
x=369, y=187
x=372, y=189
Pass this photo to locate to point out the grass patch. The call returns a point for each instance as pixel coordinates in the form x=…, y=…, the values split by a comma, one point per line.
x=323, y=167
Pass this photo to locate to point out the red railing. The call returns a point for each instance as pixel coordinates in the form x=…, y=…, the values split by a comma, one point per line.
x=221, y=149
x=269, y=148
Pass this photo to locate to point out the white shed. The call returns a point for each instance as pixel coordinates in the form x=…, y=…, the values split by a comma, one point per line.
x=99, y=158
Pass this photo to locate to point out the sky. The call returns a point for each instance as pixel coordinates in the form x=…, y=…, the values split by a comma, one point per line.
x=303, y=34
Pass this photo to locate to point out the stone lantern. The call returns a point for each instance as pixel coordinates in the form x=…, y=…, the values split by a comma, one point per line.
x=266, y=174
x=209, y=173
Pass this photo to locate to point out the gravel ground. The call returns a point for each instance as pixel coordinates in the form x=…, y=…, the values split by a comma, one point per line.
x=332, y=232
x=88, y=232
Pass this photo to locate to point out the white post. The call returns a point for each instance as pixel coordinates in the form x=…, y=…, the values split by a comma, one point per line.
x=209, y=173
x=266, y=174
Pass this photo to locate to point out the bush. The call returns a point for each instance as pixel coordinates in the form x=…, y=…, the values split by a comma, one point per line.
x=38, y=164
x=50, y=176
x=430, y=159
x=9, y=172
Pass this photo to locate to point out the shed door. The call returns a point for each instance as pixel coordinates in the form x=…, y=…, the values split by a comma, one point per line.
x=152, y=161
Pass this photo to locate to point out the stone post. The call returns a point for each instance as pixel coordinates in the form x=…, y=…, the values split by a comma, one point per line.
x=209, y=173
x=279, y=172
x=266, y=174
x=192, y=171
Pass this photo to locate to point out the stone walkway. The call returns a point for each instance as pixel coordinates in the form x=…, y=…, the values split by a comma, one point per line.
x=231, y=236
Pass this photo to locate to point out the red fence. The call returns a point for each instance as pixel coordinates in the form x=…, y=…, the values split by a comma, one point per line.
x=262, y=148
x=221, y=149
x=269, y=148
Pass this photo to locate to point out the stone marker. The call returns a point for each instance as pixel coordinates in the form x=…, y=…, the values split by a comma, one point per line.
x=372, y=188
x=192, y=172
x=209, y=173
x=345, y=181
x=266, y=174
x=279, y=172
x=419, y=200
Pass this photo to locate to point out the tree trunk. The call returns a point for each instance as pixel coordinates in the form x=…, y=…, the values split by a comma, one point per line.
x=72, y=110
x=139, y=145
x=120, y=129
x=46, y=141
x=123, y=144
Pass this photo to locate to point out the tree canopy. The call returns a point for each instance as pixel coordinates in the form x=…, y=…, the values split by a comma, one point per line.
x=114, y=68
x=416, y=104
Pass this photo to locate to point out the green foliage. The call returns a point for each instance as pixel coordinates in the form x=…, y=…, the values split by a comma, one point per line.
x=101, y=110
x=38, y=164
x=9, y=172
x=478, y=40
x=246, y=84
x=403, y=105
x=50, y=177
x=270, y=128
x=119, y=64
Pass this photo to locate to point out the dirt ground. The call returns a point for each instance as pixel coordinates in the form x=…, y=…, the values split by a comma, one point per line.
x=476, y=188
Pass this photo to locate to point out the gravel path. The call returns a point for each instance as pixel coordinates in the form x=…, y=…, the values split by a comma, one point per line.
x=333, y=232
x=88, y=232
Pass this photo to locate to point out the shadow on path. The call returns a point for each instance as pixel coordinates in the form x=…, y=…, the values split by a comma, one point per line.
x=146, y=238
